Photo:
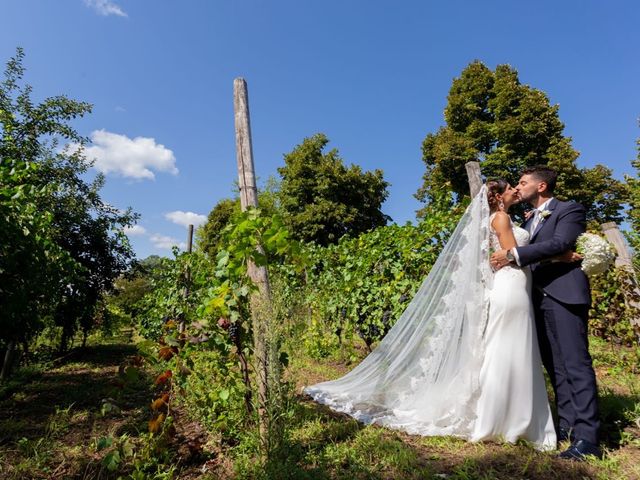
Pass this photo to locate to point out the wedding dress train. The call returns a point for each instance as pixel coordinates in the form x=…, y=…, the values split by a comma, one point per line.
x=463, y=358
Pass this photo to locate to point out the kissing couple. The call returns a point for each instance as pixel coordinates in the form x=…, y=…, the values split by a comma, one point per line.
x=465, y=357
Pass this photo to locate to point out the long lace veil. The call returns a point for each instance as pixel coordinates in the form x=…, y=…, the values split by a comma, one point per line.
x=423, y=376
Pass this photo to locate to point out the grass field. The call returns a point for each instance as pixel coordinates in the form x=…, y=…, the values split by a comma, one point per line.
x=67, y=419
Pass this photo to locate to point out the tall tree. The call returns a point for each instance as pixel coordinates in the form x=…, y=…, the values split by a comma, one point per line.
x=54, y=222
x=209, y=236
x=494, y=119
x=633, y=183
x=131, y=287
x=322, y=199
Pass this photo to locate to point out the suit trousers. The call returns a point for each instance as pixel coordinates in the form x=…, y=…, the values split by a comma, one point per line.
x=564, y=347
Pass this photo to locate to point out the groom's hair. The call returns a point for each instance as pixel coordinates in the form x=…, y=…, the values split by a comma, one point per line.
x=543, y=174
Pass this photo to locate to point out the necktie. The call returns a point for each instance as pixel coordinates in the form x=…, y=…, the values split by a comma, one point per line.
x=535, y=221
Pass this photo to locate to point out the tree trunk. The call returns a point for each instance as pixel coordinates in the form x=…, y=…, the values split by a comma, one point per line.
x=7, y=364
x=25, y=352
x=64, y=340
x=187, y=274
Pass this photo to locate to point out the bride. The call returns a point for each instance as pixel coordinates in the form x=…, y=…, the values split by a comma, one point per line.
x=463, y=357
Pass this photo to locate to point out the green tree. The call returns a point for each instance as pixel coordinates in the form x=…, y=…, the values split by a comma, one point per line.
x=322, y=199
x=32, y=264
x=62, y=245
x=91, y=232
x=633, y=183
x=494, y=119
x=209, y=235
x=131, y=287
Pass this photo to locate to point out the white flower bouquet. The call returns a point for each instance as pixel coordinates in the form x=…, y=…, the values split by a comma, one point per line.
x=597, y=252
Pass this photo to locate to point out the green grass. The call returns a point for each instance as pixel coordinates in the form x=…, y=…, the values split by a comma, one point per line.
x=50, y=416
x=51, y=425
x=322, y=444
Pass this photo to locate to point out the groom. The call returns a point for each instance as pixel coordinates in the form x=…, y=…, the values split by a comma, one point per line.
x=561, y=300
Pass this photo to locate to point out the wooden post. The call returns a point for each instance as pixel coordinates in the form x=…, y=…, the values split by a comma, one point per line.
x=244, y=147
x=623, y=261
x=614, y=235
x=190, y=240
x=187, y=274
x=259, y=275
x=475, y=179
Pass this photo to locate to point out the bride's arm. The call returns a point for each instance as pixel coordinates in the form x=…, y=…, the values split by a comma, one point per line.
x=502, y=225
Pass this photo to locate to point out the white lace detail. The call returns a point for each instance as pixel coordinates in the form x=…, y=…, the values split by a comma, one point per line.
x=424, y=376
x=447, y=367
x=521, y=235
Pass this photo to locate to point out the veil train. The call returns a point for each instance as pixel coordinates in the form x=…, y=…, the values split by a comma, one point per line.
x=424, y=375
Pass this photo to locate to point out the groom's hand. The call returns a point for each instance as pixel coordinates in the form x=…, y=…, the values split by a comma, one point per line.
x=527, y=214
x=499, y=259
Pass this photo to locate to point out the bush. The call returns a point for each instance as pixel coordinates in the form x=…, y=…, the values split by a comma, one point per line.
x=361, y=286
x=610, y=316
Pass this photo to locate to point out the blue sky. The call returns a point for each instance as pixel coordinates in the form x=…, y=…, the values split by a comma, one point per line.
x=372, y=75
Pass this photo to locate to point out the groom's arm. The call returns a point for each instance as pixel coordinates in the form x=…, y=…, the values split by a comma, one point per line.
x=570, y=224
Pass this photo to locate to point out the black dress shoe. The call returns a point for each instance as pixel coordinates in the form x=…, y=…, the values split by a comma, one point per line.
x=565, y=434
x=580, y=449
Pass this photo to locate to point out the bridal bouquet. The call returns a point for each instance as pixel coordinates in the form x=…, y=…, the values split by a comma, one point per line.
x=597, y=252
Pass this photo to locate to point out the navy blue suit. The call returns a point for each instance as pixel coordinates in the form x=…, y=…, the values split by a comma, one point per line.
x=561, y=299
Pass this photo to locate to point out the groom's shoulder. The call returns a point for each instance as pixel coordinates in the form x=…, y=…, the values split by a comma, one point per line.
x=570, y=205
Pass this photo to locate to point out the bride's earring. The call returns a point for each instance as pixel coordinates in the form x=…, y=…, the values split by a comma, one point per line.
x=501, y=205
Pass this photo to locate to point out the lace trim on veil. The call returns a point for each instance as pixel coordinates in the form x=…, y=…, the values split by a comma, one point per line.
x=424, y=375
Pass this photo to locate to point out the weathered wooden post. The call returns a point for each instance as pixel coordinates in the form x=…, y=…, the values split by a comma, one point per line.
x=190, y=240
x=259, y=275
x=614, y=235
x=475, y=179
x=623, y=261
x=187, y=275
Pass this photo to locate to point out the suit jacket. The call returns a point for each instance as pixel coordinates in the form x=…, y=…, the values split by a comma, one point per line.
x=555, y=234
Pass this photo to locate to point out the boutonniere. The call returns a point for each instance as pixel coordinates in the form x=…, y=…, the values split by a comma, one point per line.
x=544, y=214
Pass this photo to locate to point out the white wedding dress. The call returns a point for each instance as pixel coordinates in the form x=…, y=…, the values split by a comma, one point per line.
x=513, y=401
x=463, y=357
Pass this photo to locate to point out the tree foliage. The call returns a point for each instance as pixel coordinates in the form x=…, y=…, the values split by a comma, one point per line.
x=633, y=182
x=131, y=287
x=361, y=285
x=322, y=199
x=493, y=118
x=210, y=234
x=217, y=318
x=319, y=198
x=62, y=245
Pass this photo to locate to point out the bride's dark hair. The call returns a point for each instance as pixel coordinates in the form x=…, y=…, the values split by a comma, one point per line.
x=495, y=186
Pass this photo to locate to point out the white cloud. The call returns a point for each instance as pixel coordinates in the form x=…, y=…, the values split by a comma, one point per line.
x=135, y=158
x=105, y=7
x=185, y=218
x=120, y=109
x=135, y=230
x=165, y=242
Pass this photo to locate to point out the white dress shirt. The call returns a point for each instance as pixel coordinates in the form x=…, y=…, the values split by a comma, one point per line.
x=534, y=224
